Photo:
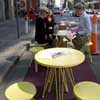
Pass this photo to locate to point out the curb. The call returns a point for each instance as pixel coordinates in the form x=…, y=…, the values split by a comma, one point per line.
x=10, y=66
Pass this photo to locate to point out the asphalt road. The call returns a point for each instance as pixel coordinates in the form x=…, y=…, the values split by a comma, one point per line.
x=69, y=18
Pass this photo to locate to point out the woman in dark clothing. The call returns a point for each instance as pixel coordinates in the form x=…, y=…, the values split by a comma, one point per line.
x=50, y=22
x=40, y=35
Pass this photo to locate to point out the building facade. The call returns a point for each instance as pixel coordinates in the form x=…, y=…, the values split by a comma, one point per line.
x=7, y=7
x=6, y=10
x=2, y=10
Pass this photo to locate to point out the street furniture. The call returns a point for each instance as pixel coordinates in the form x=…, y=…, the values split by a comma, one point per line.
x=34, y=50
x=88, y=47
x=59, y=62
x=63, y=38
x=94, y=35
x=87, y=90
x=21, y=91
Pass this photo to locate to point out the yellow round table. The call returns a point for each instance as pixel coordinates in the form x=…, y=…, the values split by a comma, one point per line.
x=59, y=62
x=63, y=38
x=87, y=90
x=67, y=57
x=20, y=91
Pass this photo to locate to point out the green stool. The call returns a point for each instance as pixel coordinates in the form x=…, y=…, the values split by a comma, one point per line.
x=34, y=50
x=20, y=91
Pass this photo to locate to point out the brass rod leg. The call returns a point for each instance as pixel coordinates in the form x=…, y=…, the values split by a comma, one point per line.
x=56, y=85
x=49, y=75
x=46, y=83
x=59, y=84
x=64, y=81
x=62, y=86
x=51, y=80
x=71, y=76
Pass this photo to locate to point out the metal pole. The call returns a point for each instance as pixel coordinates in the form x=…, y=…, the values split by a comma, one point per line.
x=17, y=19
x=17, y=23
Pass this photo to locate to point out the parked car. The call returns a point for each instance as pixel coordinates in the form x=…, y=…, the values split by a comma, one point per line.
x=89, y=11
x=72, y=13
x=56, y=10
x=64, y=11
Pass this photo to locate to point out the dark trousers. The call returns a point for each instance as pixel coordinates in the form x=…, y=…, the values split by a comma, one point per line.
x=80, y=41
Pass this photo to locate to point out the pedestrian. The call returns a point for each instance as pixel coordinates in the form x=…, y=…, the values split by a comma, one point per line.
x=83, y=30
x=40, y=34
x=50, y=22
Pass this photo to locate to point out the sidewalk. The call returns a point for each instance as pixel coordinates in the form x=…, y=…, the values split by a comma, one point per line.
x=14, y=59
x=11, y=48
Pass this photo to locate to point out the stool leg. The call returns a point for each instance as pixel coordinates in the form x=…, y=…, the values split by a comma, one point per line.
x=36, y=67
x=89, y=54
x=31, y=59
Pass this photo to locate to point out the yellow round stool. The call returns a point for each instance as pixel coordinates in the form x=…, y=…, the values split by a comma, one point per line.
x=87, y=90
x=20, y=91
x=34, y=50
x=87, y=46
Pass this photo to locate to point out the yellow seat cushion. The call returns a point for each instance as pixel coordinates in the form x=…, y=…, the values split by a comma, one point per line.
x=88, y=43
x=20, y=91
x=41, y=45
x=87, y=90
x=36, y=49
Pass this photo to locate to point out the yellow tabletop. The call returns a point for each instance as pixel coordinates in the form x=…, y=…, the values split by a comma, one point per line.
x=87, y=90
x=59, y=57
x=63, y=33
x=20, y=91
x=73, y=23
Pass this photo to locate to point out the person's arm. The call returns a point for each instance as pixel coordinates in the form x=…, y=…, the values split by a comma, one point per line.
x=75, y=29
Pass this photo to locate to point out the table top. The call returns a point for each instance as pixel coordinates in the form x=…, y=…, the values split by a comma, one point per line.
x=59, y=57
x=87, y=90
x=66, y=22
x=63, y=33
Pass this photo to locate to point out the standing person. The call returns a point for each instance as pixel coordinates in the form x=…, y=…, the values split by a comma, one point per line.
x=40, y=34
x=83, y=30
x=50, y=22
